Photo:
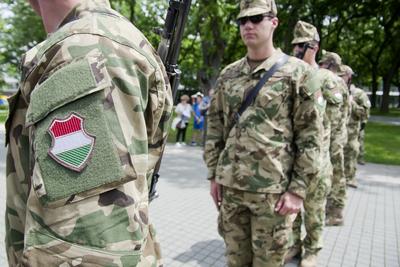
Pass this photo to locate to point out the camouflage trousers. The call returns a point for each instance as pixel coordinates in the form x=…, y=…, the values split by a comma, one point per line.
x=255, y=236
x=337, y=195
x=351, y=152
x=314, y=212
x=314, y=218
x=361, y=142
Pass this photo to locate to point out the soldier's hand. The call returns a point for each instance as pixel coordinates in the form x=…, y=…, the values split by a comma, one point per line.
x=216, y=193
x=288, y=204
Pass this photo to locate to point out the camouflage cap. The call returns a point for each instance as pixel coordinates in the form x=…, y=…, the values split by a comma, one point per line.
x=305, y=32
x=256, y=7
x=345, y=70
x=331, y=58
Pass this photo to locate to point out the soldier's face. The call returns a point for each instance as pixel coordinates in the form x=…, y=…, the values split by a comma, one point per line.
x=347, y=78
x=298, y=50
x=257, y=35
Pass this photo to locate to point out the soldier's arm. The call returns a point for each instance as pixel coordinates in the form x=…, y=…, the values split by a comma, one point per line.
x=307, y=125
x=346, y=107
x=14, y=214
x=158, y=114
x=366, y=104
x=17, y=181
x=215, y=133
x=358, y=110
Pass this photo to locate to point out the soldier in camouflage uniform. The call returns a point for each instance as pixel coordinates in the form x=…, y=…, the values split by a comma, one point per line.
x=337, y=196
x=360, y=106
x=260, y=166
x=361, y=153
x=84, y=133
x=305, y=46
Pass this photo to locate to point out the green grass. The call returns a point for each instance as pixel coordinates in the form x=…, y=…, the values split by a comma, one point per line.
x=382, y=143
x=393, y=112
x=189, y=129
x=3, y=115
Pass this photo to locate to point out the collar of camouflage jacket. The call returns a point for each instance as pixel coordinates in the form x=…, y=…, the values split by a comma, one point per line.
x=265, y=65
x=84, y=7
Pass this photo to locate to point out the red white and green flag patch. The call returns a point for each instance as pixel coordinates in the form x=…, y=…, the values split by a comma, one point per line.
x=72, y=146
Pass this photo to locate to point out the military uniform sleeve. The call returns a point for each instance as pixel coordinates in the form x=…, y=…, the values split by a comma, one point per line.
x=14, y=214
x=346, y=107
x=307, y=125
x=357, y=110
x=17, y=180
x=215, y=131
x=158, y=114
x=361, y=106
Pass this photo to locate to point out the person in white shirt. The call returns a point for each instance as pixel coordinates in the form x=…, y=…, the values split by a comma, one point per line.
x=183, y=111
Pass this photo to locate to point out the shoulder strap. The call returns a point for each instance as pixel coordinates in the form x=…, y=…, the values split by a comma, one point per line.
x=254, y=92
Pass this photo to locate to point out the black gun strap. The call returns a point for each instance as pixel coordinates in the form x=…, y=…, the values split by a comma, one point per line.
x=254, y=92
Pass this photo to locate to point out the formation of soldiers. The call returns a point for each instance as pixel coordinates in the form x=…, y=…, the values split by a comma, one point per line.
x=90, y=120
x=346, y=113
x=277, y=152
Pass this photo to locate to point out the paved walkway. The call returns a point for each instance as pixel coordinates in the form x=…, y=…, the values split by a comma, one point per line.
x=384, y=119
x=185, y=216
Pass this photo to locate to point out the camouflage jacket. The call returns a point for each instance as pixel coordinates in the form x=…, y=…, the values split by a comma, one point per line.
x=360, y=106
x=84, y=133
x=339, y=115
x=327, y=82
x=275, y=145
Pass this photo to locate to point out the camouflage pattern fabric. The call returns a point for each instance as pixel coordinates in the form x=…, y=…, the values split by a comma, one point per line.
x=265, y=152
x=305, y=32
x=361, y=154
x=317, y=192
x=107, y=225
x=331, y=58
x=360, y=106
x=339, y=119
x=274, y=147
x=254, y=234
x=250, y=8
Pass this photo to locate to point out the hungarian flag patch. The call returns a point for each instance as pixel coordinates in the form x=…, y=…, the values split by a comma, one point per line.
x=71, y=146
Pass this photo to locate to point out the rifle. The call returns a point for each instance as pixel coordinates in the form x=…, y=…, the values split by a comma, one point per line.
x=168, y=49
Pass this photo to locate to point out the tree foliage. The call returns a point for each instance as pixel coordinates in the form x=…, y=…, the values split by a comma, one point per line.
x=364, y=32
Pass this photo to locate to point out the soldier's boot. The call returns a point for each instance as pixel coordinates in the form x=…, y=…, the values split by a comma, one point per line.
x=334, y=217
x=293, y=253
x=309, y=260
x=352, y=183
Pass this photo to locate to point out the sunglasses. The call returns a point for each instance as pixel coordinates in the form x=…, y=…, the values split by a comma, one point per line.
x=253, y=19
x=300, y=45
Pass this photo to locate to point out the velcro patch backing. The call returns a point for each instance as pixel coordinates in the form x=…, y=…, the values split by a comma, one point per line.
x=61, y=95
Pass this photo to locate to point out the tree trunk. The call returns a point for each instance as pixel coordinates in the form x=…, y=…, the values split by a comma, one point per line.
x=385, y=96
x=212, y=47
x=374, y=86
x=387, y=82
x=212, y=58
x=398, y=100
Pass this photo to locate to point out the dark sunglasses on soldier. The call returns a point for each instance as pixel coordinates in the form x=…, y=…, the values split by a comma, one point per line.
x=253, y=19
x=300, y=45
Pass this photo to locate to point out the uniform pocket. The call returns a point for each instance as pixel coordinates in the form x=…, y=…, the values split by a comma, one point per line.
x=72, y=141
x=50, y=251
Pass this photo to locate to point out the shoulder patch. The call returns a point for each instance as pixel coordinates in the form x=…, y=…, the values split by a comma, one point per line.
x=71, y=145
